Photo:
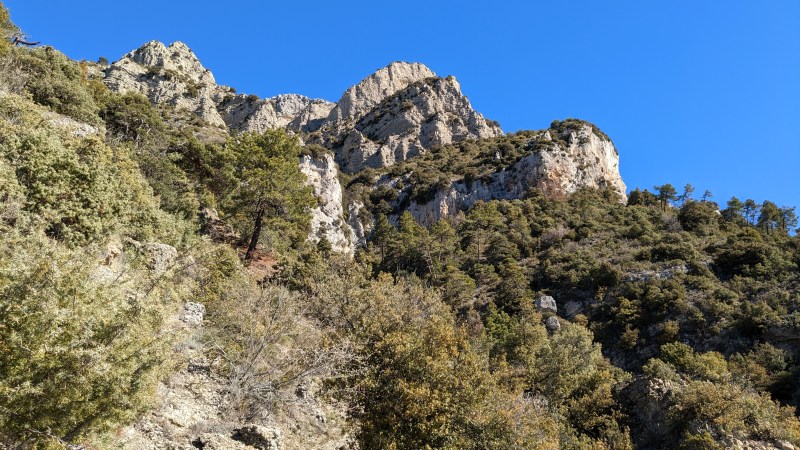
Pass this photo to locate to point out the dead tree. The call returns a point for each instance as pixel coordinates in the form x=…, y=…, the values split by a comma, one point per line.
x=20, y=39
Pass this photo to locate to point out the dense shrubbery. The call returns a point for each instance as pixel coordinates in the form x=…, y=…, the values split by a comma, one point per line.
x=650, y=282
x=81, y=349
x=55, y=81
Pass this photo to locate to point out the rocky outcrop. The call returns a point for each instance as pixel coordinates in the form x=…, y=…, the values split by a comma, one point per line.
x=169, y=75
x=193, y=409
x=215, y=228
x=360, y=99
x=651, y=404
x=547, y=304
x=248, y=113
x=399, y=112
x=425, y=115
x=579, y=158
x=327, y=219
x=173, y=75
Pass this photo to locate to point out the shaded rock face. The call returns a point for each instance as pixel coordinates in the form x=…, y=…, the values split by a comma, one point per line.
x=327, y=219
x=397, y=113
x=259, y=436
x=295, y=112
x=169, y=75
x=578, y=159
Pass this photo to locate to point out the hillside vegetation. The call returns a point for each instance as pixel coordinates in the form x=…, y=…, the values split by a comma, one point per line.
x=673, y=324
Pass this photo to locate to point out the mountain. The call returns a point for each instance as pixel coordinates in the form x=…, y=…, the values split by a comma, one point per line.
x=395, y=114
x=182, y=266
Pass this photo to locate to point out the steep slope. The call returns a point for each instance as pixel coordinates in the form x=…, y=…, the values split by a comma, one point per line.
x=558, y=161
x=400, y=112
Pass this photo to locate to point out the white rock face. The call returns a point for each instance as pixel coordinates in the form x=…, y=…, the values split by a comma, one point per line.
x=296, y=112
x=397, y=113
x=173, y=75
x=369, y=92
x=588, y=160
x=327, y=219
x=424, y=115
x=170, y=75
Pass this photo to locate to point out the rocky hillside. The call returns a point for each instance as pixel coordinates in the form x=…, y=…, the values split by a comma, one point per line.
x=399, y=112
x=555, y=161
x=452, y=287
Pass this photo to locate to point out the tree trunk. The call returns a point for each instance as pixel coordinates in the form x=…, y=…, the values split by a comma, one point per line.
x=256, y=234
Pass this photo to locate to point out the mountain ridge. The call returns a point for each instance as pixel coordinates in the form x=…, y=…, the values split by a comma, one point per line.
x=397, y=113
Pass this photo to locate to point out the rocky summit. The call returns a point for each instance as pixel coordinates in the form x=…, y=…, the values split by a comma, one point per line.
x=170, y=75
x=423, y=115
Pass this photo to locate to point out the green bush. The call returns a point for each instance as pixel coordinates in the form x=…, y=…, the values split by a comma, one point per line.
x=76, y=188
x=55, y=81
x=78, y=354
x=699, y=217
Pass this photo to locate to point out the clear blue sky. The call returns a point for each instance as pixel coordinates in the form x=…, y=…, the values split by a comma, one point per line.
x=705, y=92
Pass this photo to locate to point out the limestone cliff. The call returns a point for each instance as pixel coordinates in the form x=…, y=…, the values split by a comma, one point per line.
x=296, y=112
x=397, y=113
x=327, y=219
x=358, y=100
x=556, y=161
x=169, y=75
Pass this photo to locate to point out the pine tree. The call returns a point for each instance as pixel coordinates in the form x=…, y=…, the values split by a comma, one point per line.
x=271, y=191
x=666, y=193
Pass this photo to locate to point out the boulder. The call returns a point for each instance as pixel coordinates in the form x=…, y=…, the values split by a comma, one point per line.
x=160, y=257
x=546, y=304
x=552, y=324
